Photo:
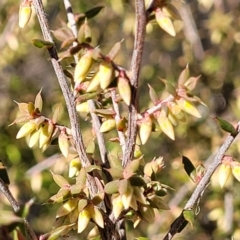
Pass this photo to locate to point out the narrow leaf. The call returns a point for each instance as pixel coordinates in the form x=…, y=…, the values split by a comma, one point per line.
x=93, y=12
x=226, y=126
x=60, y=180
x=189, y=216
x=38, y=101
x=40, y=43
x=188, y=166
x=153, y=94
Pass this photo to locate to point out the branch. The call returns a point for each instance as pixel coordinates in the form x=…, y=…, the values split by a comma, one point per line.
x=140, y=30
x=95, y=119
x=68, y=95
x=179, y=223
x=5, y=190
x=117, y=119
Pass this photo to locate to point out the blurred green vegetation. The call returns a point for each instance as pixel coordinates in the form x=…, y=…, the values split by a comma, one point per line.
x=208, y=40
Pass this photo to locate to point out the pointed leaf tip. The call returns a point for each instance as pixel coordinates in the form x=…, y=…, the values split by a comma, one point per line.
x=226, y=126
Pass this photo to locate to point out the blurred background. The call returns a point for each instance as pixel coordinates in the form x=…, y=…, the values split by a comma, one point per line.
x=208, y=40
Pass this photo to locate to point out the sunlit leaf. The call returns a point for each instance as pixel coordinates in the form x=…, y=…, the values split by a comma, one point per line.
x=60, y=180
x=153, y=95
x=115, y=50
x=38, y=101
x=189, y=216
x=223, y=174
x=112, y=187
x=236, y=170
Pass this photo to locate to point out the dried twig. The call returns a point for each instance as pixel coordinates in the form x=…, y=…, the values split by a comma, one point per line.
x=117, y=119
x=178, y=224
x=140, y=30
x=5, y=190
x=68, y=95
x=95, y=119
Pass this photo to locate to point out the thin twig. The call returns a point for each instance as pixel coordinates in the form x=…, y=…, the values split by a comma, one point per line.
x=197, y=194
x=31, y=234
x=158, y=106
x=140, y=31
x=68, y=95
x=117, y=119
x=5, y=190
x=100, y=139
x=95, y=119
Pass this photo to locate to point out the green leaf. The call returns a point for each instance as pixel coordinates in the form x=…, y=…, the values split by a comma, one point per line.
x=40, y=43
x=141, y=238
x=93, y=167
x=60, y=180
x=184, y=75
x=226, y=126
x=112, y=187
x=189, y=168
x=116, y=173
x=93, y=12
x=169, y=87
x=80, y=18
x=61, y=196
x=133, y=166
x=91, y=147
x=82, y=203
x=80, y=181
x=189, y=216
x=55, y=233
x=137, y=181
x=105, y=112
x=157, y=202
